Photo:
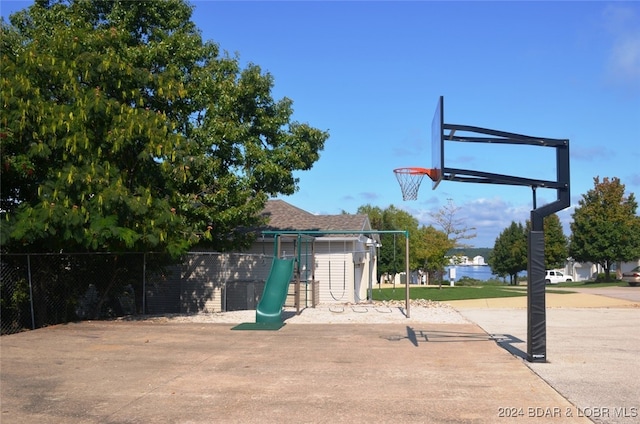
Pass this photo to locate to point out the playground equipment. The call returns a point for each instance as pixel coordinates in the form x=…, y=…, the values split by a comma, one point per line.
x=329, y=279
x=287, y=268
x=283, y=271
x=269, y=309
x=303, y=252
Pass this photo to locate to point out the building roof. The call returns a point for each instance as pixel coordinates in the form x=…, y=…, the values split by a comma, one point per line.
x=283, y=216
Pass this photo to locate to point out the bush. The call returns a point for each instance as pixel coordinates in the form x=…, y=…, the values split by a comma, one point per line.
x=602, y=278
x=468, y=281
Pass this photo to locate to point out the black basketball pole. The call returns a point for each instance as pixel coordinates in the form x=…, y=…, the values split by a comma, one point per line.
x=536, y=306
x=536, y=302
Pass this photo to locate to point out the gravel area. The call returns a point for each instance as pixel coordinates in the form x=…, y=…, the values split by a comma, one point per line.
x=388, y=312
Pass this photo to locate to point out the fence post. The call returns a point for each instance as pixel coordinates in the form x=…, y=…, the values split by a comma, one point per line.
x=144, y=283
x=33, y=319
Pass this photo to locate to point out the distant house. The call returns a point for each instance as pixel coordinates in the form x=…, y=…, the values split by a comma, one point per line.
x=463, y=260
x=589, y=271
x=479, y=260
x=459, y=260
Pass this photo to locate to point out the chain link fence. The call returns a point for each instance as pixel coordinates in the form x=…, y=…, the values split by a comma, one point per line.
x=38, y=290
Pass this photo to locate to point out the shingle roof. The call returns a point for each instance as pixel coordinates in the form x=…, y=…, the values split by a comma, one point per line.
x=284, y=216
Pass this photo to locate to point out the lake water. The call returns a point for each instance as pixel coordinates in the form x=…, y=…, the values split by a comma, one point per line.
x=477, y=272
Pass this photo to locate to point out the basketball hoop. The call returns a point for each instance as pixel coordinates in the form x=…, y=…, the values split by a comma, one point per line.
x=410, y=179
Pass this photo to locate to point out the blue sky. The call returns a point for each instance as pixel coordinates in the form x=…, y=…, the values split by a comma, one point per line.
x=371, y=73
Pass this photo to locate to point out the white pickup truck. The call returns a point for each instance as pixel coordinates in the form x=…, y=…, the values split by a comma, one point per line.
x=555, y=277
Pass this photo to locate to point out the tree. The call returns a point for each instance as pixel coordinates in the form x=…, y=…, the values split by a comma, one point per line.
x=605, y=227
x=432, y=246
x=427, y=245
x=122, y=130
x=391, y=259
x=509, y=255
x=556, y=244
x=453, y=227
x=375, y=214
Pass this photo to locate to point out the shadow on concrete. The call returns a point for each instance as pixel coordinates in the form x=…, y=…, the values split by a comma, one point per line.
x=507, y=341
x=421, y=336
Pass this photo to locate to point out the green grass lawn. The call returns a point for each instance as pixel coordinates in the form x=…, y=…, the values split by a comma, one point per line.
x=591, y=284
x=448, y=293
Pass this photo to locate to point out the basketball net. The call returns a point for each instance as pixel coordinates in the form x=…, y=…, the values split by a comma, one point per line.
x=410, y=179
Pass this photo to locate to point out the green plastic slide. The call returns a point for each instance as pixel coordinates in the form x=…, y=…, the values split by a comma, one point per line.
x=269, y=308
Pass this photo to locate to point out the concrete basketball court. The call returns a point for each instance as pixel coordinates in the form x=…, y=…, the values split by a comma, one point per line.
x=168, y=372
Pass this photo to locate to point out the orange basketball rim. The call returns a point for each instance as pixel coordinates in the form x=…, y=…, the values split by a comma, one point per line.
x=410, y=179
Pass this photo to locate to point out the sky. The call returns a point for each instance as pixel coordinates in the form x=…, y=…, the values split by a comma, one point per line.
x=370, y=73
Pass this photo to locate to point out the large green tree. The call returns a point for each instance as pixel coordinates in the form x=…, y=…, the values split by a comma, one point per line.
x=375, y=214
x=391, y=259
x=605, y=227
x=556, y=244
x=427, y=245
x=122, y=129
x=509, y=254
x=431, y=250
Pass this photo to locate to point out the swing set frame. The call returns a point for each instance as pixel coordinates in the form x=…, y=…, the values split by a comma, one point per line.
x=319, y=233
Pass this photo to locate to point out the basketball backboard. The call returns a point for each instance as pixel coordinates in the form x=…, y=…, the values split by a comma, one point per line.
x=437, y=142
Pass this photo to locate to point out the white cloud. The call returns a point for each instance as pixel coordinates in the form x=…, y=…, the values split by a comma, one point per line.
x=623, y=64
x=625, y=59
x=635, y=179
x=590, y=154
x=489, y=216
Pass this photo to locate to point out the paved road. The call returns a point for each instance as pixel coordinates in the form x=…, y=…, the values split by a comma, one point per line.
x=629, y=293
